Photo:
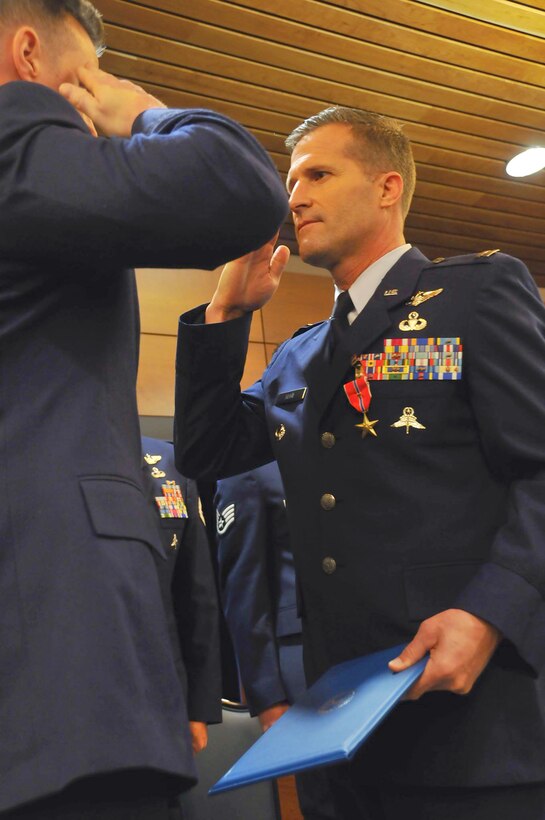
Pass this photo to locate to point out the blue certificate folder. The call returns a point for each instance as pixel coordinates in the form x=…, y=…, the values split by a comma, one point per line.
x=328, y=723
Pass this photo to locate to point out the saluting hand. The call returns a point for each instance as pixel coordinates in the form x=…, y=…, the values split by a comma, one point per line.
x=110, y=103
x=460, y=646
x=246, y=284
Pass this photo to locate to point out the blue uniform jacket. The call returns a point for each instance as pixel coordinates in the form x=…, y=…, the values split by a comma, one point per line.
x=257, y=582
x=187, y=580
x=444, y=508
x=88, y=682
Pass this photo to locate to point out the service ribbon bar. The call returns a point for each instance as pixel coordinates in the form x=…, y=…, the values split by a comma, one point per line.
x=415, y=359
x=171, y=504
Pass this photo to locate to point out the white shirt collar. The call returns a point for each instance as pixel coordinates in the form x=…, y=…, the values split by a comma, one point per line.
x=368, y=281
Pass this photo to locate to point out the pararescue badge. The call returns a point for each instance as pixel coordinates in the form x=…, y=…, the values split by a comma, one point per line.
x=225, y=518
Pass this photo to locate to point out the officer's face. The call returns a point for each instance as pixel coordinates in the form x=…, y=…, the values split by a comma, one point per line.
x=335, y=203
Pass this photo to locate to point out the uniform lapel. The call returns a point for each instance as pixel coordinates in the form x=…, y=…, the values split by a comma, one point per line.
x=324, y=376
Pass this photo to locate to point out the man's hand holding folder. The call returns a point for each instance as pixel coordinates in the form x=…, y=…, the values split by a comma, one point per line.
x=459, y=645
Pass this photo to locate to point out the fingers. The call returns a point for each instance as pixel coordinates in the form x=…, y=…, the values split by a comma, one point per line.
x=199, y=736
x=89, y=123
x=412, y=653
x=111, y=103
x=422, y=643
x=80, y=98
x=460, y=646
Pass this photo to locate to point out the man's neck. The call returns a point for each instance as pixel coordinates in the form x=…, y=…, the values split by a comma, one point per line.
x=347, y=270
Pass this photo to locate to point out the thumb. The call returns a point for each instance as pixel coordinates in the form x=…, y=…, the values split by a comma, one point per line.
x=279, y=260
x=413, y=652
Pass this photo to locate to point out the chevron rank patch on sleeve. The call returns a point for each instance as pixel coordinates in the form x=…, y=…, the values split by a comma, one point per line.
x=225, y=518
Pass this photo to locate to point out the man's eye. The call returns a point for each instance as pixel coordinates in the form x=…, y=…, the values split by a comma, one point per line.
x=319, y=174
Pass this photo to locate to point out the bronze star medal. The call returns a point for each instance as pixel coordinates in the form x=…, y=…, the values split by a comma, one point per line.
x=358, y=393
x=367, y=426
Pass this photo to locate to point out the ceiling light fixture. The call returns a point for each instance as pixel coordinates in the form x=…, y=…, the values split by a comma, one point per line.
x=527, y=162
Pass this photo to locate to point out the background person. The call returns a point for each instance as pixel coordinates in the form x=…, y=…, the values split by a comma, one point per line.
x=258, y=592
x=189, y=585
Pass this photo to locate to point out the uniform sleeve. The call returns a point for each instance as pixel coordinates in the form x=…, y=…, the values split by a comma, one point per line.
x=505, y=358
x=218, y=431
x=246, y=544
x=189, y=188
x=195, y=602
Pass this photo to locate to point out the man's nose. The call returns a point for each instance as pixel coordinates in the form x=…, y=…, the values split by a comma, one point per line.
x=298, y=196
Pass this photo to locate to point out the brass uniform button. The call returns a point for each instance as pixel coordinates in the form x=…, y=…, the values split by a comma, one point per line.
x=328, y=440
x=280, y=432
x=327, y=501
x=329, y=565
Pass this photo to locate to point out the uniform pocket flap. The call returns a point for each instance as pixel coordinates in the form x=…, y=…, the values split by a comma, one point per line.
x=118, y=509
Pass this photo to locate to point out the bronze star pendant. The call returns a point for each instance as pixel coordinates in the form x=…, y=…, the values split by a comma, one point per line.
x=367, y=426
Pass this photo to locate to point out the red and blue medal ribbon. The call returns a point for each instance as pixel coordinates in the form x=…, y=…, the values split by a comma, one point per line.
x=358, y=393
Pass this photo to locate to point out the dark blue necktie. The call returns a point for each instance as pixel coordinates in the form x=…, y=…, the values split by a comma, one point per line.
x=339, y=317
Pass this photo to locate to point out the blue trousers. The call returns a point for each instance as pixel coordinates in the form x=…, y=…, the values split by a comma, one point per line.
x=525, y=802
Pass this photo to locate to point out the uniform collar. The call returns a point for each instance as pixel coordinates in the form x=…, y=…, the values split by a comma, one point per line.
x=368, y=281
x=400, y=281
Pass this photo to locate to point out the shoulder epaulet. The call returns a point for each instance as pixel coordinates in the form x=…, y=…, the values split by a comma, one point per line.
x=305, y=328
x=464, y=259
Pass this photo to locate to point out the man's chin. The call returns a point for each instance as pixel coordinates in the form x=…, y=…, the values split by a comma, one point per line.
x=313, y=256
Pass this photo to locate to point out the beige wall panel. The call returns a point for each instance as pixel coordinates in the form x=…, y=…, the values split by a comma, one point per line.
x=301, y=299
x=165, y=294
x=155, y=385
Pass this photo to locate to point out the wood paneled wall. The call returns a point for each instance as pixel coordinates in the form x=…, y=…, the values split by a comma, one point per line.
x=164, y=294
x=466, y=78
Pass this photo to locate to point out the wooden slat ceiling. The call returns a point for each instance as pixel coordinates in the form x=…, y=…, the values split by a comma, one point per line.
x=466, y=77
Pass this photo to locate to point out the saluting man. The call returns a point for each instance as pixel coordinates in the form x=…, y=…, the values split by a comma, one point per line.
x=409, y=435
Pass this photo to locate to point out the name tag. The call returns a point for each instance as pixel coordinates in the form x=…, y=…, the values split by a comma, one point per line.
x=292, y=396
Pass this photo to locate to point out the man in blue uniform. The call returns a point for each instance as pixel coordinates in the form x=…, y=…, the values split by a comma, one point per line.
x=258, y=591
x=88, y=684
x=189, y=586
x=409, y=435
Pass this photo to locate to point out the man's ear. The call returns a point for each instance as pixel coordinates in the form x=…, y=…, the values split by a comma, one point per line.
x=392, y=188
x=27, y=54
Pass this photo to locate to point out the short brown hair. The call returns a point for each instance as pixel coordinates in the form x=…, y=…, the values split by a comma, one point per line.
x=379, y=142
x=17, y=12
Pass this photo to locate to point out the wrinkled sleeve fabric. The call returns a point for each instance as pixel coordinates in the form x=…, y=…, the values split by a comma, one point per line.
x=189, y=187
x=505, y=355
x=245, y=559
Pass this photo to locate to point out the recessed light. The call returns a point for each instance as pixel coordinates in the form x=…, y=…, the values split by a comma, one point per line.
x=527, y=162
